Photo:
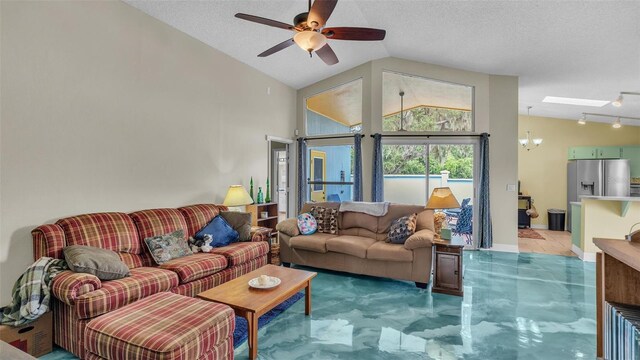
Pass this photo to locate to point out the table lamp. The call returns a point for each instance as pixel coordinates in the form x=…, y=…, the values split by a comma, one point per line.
x=443, y=198
x=237, y=196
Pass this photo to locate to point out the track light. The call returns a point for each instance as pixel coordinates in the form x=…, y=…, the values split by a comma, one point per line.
x=618, y=102
x=582, y=120
x=616, y=124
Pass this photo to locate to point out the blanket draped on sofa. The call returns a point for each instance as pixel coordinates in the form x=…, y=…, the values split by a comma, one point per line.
x=32, y=292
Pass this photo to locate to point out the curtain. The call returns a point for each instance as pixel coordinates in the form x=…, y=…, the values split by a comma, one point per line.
x=377, y=186
x=485, y=232
x=302, y=173
x=357, y=167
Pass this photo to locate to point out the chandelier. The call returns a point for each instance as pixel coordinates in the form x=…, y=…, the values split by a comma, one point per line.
x=529, y=143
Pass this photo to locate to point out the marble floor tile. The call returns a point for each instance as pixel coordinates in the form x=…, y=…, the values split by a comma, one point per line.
x=515, y=306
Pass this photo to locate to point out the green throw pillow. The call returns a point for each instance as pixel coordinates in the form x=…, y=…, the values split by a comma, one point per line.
x=168, y=246
x=103, y=263
x=240, y=222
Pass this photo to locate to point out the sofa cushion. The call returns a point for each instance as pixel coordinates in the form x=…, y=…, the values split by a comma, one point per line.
x=350, y=245
x=113, y=231
x=326, y=204
x=402, y=228
x=196, y=266
x=326, y=219
x=240, y=222
x=355, y=220
x=241, y=252
x=113, y=294
x=396, y=211
x=103, y=263
x=389, y=252
x=425, y=220
x=307, y=224
x=221, y=232
x=316, y=242
x=155, y=222
x=163, y=326
x=168, y=246
x=197, y=216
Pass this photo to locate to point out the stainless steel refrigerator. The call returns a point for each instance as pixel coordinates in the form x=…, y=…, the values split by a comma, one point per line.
x=596, y=178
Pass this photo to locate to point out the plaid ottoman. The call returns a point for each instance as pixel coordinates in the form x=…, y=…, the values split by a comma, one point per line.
x=162, y=326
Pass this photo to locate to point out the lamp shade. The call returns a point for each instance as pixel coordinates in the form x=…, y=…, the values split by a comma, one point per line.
x=237, y=195
x=442, y=198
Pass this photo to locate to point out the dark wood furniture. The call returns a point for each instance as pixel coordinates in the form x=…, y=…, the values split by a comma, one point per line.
x=524, y=204
x=251, y=303
x=447, y=267
x=617, y=279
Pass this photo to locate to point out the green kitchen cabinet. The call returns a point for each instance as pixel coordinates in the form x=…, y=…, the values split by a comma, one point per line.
x=633, y=154
x=583, y=152
x=609, y=152
x=595, y=152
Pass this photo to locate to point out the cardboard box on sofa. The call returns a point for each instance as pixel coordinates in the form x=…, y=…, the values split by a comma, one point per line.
x=35, y=338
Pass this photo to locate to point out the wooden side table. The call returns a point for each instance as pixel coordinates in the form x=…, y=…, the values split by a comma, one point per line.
x=448, y=267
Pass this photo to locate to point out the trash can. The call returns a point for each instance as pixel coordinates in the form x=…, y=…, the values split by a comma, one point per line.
x=556, y=219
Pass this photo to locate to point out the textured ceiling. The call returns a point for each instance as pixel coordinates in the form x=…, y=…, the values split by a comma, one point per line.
x=583, y=49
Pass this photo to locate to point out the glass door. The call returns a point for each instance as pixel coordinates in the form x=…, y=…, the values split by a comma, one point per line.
x=414, y=168
x=452, y=165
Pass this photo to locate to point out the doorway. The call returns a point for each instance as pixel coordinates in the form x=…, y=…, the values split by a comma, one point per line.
x=318, y=175
x=280, y=174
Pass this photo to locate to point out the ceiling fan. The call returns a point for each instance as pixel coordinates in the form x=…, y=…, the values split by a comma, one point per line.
x=311, y=35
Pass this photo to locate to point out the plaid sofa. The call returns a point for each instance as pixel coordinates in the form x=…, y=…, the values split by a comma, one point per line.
x=78, y=297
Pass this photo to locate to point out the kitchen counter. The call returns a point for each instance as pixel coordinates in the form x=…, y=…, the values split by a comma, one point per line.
x=605, y=217
x=613, y=198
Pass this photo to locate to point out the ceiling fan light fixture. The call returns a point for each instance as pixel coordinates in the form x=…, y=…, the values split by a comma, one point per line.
x=310, y=40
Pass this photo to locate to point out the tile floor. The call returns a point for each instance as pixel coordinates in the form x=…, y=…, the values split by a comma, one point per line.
x=554, y=243
x=516, y=306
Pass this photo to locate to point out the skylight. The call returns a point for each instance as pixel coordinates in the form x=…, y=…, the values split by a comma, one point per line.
x=575, y=101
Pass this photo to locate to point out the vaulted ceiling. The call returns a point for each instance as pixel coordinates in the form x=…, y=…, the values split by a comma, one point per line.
x=579, y=49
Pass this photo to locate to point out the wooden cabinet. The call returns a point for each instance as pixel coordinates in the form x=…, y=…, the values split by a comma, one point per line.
x=257, y=215
x=448, y=268
x=617, y=279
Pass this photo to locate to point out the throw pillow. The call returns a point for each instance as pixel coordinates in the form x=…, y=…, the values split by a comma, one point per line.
x=402, y=228
x=105, y=264
x=240, y=222
x=168, y=246
x=222, y=233
x=307, y=224
x=326, y=218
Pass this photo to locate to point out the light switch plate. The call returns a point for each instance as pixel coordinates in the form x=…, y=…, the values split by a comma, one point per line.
x=511, y=187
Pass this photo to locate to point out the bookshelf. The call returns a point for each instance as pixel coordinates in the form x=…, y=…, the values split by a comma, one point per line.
x=617, y=279
x=272, y=216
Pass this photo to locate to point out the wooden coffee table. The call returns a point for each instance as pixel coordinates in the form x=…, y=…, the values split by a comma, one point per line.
x=251, y=303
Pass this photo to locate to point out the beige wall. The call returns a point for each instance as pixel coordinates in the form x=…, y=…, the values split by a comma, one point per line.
x=496, y=101
x=543, y=171
x=107, y=109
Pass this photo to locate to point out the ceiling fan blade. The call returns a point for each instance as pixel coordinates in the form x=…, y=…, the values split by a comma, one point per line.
x=283, y=45
x=264, y=21
x=327, y=55
x=354, y=33
x=320, y=12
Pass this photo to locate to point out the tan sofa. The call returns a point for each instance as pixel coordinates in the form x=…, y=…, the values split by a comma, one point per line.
x=360, y=247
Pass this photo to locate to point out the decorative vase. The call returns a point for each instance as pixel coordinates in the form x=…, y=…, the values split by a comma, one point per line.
x=268, y=196
x=260, y=196
x=251, y=190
